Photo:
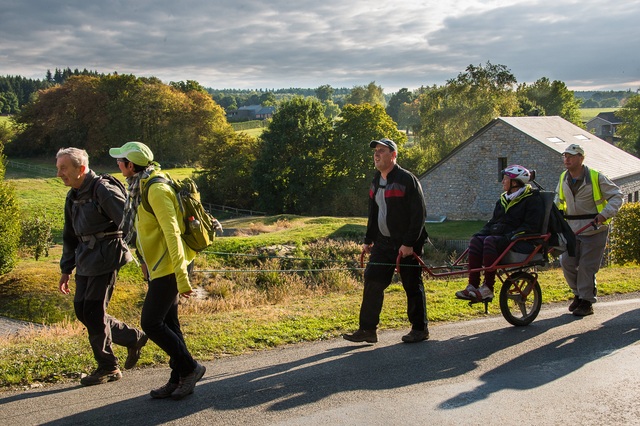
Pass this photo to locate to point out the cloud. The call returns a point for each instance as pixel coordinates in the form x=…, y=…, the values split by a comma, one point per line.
x=253, y=44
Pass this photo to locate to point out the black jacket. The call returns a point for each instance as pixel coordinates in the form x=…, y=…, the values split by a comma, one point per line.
x=406, y=209
x=86, y=216
x=523, y=215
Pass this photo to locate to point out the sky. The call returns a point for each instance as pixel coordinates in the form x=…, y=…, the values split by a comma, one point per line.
x=272, y=44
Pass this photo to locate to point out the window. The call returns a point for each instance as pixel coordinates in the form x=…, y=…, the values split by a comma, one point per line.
x=502, y=164
x=554, y=139
x=635, y=196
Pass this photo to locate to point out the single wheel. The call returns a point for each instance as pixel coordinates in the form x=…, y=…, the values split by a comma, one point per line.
x=520, y=298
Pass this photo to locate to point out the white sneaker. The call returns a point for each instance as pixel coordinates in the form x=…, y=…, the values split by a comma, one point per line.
x=485, y=293
x=468, y=293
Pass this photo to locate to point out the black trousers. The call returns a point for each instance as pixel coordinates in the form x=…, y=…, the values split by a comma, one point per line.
x=377, y=277
x=160, y=323
x=90, y=303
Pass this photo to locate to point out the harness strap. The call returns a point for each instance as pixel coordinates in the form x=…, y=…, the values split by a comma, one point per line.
x=580, y=216
x=93, y=238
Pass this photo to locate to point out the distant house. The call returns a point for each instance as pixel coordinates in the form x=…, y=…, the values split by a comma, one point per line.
x=251, y=112
x=466, y=183
x=604, y=126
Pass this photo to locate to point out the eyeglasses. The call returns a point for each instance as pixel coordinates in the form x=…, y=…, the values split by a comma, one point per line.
x=123, y=160
x=567, y=155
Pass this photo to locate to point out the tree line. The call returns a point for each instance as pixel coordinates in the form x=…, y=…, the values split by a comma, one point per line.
x=313, y=157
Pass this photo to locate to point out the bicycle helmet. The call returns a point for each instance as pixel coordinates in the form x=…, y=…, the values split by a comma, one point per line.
x=519, y=173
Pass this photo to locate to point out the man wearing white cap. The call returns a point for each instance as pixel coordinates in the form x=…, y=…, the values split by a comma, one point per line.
x=585, y=195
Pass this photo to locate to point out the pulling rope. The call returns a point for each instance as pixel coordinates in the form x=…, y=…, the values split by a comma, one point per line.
x=302, y=259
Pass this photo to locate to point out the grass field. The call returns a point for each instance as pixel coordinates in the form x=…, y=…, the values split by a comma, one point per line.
x=589, y=113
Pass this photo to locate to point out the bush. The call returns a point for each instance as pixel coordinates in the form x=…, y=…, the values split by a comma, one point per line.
x=9, y=223
x=625, y=243
x=36, y=236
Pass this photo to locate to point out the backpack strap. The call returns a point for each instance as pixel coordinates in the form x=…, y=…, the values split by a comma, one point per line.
x=145, y=191
x=94, y=190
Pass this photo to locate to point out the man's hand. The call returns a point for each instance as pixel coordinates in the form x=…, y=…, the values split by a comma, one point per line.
x=186, y=294
x=217, y=227
x=406, y=251
x=145, y=271
x=599, y=219
x=63, y=285
x=367, y=248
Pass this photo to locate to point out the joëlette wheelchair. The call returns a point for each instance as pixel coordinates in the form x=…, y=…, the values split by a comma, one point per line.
x=520, y=296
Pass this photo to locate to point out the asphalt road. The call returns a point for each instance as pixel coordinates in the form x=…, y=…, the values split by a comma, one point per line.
x=559, y=370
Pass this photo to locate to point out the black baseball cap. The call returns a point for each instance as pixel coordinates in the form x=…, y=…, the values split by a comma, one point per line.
x=386, y=142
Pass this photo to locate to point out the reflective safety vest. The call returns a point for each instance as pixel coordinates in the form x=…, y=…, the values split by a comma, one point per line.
x=597, y=194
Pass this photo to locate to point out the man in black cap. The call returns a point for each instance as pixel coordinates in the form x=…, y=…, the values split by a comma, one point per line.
x=395, y=226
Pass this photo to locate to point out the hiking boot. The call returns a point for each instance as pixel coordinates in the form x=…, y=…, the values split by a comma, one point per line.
x=361, y=335
x=100, y=376
x=133, y=353
x=574, y=304
x=416, y=336
x=584, y=308
x=164, y=391
x=188, y=383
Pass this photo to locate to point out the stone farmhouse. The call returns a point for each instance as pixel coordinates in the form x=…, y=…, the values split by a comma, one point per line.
x=604, y=126
x=466, y=183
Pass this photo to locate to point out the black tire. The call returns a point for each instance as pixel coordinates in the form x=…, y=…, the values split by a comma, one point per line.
x=520, y=298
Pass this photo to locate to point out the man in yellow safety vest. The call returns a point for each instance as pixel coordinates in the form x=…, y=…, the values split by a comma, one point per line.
x=585, y=196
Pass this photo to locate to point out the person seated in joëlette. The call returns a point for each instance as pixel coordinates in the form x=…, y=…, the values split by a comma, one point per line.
x=519, y=210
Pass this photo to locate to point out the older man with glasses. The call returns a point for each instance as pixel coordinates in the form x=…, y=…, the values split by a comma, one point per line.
x=585, y=195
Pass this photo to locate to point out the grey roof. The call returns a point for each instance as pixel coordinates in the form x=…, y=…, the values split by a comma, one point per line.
x=557, y=134
x=610, y=117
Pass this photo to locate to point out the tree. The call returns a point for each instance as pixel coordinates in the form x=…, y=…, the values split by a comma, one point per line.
x=452, y=113
x=188, y=86
x=590, y=103
x=331, y=109
x=610, y=103
x=227, y=160
x=289, y=174
x=92, y=112
x=268, y=99
x=9, y=222
x=9, y=103
x=324, y=93
x=629, y=130
x=349, y=164
x=398, y=99
x=554, y=99
x=370, y=94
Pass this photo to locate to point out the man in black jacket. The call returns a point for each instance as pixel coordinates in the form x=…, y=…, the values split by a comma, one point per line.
x=93, y=246
x=397, y=213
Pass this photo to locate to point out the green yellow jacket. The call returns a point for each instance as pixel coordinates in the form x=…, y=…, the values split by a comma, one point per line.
x=158, y=235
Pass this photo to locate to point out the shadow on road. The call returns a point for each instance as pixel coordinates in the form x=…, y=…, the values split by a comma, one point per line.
x=554, y=360
x=287, y=385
